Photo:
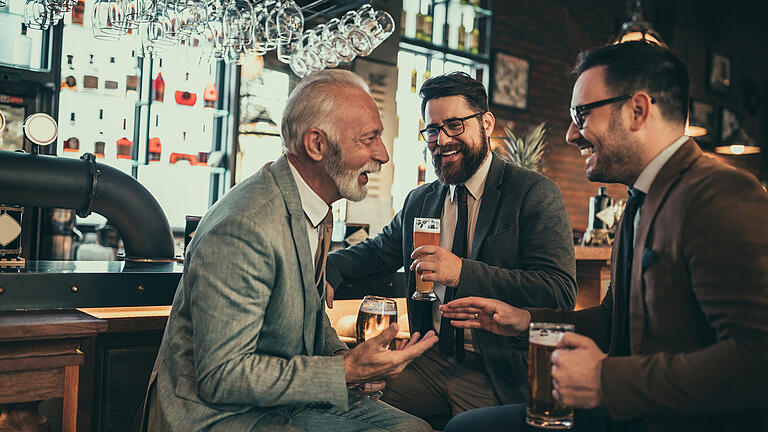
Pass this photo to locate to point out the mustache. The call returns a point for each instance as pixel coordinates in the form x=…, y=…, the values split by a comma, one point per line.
x=372, y=167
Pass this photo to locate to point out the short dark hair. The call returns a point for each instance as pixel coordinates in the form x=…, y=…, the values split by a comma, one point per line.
x=638, y=65
x=454, y=84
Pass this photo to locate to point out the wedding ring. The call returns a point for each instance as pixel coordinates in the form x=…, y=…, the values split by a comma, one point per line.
x=477, y=315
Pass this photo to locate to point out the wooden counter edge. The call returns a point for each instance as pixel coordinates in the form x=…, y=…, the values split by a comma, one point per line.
x=131, y=319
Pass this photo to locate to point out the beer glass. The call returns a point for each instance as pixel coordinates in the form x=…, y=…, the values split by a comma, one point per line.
x=426, y=231
x=542, y=410
x=376, y=315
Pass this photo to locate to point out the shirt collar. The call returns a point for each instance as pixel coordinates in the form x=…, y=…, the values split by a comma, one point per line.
x=314, y=207
x=476, y=183
x=646, y=177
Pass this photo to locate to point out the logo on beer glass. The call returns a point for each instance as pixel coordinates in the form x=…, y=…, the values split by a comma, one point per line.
x=426, y=231
x=543, y=411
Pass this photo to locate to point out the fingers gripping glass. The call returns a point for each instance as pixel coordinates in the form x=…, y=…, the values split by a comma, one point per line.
x=579, y=112
x=451, y=128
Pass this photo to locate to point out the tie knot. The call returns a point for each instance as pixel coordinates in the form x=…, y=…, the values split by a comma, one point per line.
x=636, y=198
x=460, y=193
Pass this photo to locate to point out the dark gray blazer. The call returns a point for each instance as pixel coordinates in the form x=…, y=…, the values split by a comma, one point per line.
x=522, y=253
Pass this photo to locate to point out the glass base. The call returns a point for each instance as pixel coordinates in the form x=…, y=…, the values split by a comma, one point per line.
x=421, y=296
x=546, y=422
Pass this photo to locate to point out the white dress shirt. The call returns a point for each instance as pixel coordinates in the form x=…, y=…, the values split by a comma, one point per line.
x=314, y=208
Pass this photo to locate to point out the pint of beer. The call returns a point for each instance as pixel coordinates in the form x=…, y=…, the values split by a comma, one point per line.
x=426, y=231
x=376, y=315
x=543, y=411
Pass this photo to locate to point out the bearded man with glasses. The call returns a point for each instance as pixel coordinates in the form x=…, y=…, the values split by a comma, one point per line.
x=505, y=234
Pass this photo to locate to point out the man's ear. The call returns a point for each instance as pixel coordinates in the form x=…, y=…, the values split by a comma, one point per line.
x=315, y=144
x=489, y=122
x=640, y=104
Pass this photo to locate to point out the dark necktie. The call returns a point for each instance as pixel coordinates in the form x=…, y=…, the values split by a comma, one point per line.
x=321, y=254
x=452, y=339
x=624, y=270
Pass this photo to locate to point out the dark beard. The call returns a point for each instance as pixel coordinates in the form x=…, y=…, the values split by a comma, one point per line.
x=470, y=162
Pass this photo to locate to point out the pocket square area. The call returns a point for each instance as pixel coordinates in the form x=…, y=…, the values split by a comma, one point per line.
x=649, y=257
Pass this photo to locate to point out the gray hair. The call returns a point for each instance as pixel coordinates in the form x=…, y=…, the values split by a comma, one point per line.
x=312, y=104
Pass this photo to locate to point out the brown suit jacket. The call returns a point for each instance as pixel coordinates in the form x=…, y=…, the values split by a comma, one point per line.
x=698, y=304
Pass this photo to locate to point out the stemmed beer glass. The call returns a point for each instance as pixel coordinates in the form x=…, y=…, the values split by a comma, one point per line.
x=376, y=315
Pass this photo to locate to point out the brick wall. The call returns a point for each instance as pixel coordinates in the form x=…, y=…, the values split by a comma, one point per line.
x=550, y=33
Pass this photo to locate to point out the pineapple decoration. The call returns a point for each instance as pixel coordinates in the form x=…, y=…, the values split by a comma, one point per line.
x=525, y=152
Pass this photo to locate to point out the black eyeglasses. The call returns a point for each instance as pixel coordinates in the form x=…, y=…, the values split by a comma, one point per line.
x=451, y=128
x=579, y=112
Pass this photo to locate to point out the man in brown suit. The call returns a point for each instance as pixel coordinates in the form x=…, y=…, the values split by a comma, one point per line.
x=685, y=323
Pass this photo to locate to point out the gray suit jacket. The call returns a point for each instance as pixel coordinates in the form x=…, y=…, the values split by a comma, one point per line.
x=522, y=253
x=247, y=333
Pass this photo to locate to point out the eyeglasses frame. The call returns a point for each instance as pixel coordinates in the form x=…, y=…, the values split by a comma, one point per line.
x=442, y=127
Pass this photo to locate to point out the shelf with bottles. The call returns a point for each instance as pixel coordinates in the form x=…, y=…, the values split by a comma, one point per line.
x=449, y=26
x=107, y=136
x=23, y=47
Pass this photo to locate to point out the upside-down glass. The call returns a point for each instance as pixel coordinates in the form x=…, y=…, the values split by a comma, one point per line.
x=376, y=315
x=426, y=231
x=543, y=410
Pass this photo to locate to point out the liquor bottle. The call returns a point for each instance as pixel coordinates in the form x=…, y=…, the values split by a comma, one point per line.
x=462, y=35
x=421, y=176
x=403, y=20
x=22, y=48
x=77, y=12
x=426, y=75
x=68, y=75
x=99, y=142
x=420, y=23
x=210, y=95
x=475, y=41
x=158, y=88
x=111, y=82
x=428, y=22
x=71, y=144
x=154, y=146
x=185, y=97
x=132, y=77
x=414, y=79
x=91, y=76
x=124, y=145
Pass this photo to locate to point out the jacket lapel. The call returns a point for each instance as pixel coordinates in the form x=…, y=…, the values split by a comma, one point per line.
x=433, y=202
x=488, y=205
x=669, y=175
x=287, y=185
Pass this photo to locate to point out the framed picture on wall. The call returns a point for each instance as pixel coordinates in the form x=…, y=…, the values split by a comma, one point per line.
x=719, y=74
x=703, y=115
x=509, y=83
x=729, y=123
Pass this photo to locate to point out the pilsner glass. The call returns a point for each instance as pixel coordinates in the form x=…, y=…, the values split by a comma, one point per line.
x=426, y=231
x=376, y=315
x=543, y=410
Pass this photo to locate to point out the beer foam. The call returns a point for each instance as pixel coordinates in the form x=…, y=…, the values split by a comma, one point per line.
x=545, y=337
x=426, y=225
x=377, y=310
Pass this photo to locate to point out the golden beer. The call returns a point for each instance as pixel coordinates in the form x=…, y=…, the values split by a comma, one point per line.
x=543, y=411
x=426, y=231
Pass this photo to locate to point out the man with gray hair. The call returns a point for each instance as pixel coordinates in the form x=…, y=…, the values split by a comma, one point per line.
x=248, y=345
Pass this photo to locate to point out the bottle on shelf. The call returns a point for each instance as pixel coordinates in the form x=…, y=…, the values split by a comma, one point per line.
x=91, y=76
x=475, y=41
x=111, y=82
x=68, y=80
x=71, y=144
x=428, y=23
x=183, y=97
x=22, y=48
x=414, y=79
x=420, y=24
x=462, y=35
x=403, y=20
x=124, y=145
x=210, y=95
x=132, y=76
x=78, y=10
x=154, y=149
x=99, y=142
x=158, y=88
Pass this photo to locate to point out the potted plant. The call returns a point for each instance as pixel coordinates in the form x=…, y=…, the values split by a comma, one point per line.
x=527, y=152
